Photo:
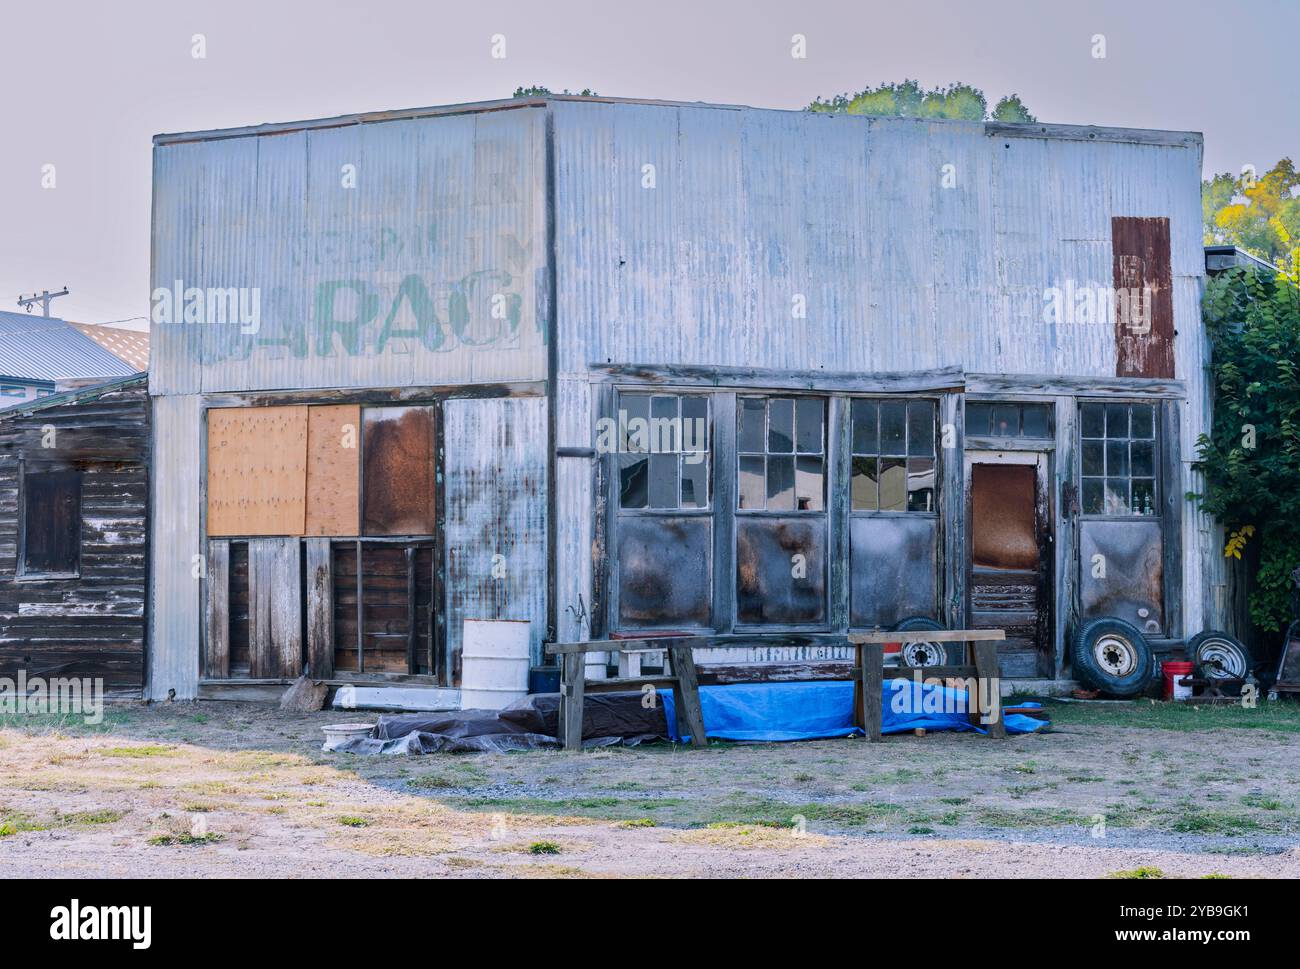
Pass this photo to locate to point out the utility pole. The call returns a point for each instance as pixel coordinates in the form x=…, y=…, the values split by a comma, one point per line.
x=27, y=302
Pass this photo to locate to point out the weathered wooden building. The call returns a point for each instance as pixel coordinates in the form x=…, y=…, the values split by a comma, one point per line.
x=74, y=499
x=614, y=367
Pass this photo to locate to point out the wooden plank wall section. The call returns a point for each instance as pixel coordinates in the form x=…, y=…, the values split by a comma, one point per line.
x=275, y=622
x=217, y=611
x=320, y=609
x=257, y=471
x=334, y=470
x=91, y=625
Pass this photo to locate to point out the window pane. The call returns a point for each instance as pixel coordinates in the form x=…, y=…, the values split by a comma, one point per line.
x=632, y=486
x=753, y=484
x=893, y=484
x=780, y=427
x=893, y=422
x=695, y=424
x=863, y=484
x=865, y=437
x=1143, y=462
x=768, y=588
x=780, y=484
x=1116, y=496
x=664, y=571
x=51, y=521
x=695, y=481
x=663, y=481
x=635, y=407
x=810, y=416
x=920, y=428
x=1116, y=458
x=1093, y=419
x=1094, y=501
x=1117, y=420
x=1144, y=496
x=1036, y=420
x=979, y=418
x=1094, y=458
x=808, y=484
x=665, y=432
x=1144, y=424
x=753, y=431
x=920, y=484
x=1006, y=420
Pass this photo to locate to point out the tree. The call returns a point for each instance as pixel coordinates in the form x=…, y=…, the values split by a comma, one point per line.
x=908, y=100
x=536, y=91
x=1258, y=214
x=1251, y=457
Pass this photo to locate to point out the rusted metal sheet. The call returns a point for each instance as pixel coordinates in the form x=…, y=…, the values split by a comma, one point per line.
x=892, y=569
x=1144, y=308
x=1121, y=570
x=398, y=471
x=780, y=570
x=664, y=571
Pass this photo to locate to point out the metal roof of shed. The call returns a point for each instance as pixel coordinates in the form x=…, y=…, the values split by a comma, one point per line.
x=46, y=348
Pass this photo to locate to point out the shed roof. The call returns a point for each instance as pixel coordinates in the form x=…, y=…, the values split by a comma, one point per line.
x=46, y=348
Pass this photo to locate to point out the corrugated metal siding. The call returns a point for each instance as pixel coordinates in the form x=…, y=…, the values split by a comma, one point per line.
x=47, y=349
x=495, y=500
x=175, y=540
x=452, y=206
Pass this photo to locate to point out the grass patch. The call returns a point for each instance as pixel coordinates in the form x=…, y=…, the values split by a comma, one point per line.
x=1185, y=717
x=637, y=823
x=455, y=775
x=543, y=848
x=182, y=840
x=105, y=816
x=1215, y=822
x=1145, y=872
x=144, y=750
x=354, y=821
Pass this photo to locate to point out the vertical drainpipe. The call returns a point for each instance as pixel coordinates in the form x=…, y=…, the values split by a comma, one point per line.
x=552, y=367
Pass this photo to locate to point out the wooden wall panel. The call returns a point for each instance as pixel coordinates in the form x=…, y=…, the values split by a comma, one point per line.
x=334, y=470
x=275, y=605
x=257, y=470
x=320, y=609
x=217, y=605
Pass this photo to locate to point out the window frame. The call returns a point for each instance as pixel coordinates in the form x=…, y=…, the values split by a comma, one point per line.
x=22, y=571
x=934, y=456
x=1157, y=453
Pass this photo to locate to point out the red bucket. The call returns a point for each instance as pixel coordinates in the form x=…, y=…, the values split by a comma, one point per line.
x=1174, y=671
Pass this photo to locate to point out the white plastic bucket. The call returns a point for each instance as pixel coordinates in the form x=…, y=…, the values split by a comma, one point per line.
x=338, y=733
x=494, y=658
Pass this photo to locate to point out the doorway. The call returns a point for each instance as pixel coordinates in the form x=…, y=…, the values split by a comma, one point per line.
x=1009, y=569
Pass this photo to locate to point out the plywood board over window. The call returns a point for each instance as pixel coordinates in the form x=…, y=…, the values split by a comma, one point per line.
x=257, y=471
x=334, y=470
x=399, y=485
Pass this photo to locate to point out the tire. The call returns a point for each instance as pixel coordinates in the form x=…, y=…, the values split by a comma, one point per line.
x=917, y=656
x=1221, y=656
x=1111, y=655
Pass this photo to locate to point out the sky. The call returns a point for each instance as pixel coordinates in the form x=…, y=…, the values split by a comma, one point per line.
x=85, y=85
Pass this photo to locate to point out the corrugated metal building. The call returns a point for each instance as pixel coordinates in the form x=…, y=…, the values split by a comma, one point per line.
x=42, y=354
x=892, y=369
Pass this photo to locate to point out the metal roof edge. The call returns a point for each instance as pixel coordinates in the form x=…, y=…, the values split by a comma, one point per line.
x=73, y=396
x=1077, y=132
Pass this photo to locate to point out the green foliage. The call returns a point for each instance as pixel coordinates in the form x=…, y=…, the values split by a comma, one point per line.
x=908, y=100
x=537, y=91
x=1251, y=457
x=1260, y=214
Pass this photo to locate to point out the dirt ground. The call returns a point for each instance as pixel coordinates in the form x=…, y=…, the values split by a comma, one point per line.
x=226, y=789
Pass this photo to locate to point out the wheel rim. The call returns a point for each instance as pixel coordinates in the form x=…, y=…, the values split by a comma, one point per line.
x=923, y=654
x=1115, y=656
x=1222, y=659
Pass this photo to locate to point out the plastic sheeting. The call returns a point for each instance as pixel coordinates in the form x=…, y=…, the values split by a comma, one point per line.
x=808, y=711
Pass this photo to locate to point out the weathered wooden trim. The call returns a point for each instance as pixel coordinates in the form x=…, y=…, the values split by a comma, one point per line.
x=320, y=608
x=275, y=607
x=723, y=567
x=1169, y=448
x=1066, y=524
x=1053, y=385
x=761, y=379
x=930, y=636
x=655, y=644
x=871, y=667
x=1078, y=132
x=374, y=395
x=986, y=667
x=217, y=610
x=686, y=697
x=839, y=448
x=977, y=443
x=953, y=520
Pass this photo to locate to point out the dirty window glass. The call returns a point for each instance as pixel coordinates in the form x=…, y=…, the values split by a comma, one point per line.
x=893, y=466
x=1118, y=459
x=985, y=419
x=663, y=462
x=51, y=522
x=781, y=462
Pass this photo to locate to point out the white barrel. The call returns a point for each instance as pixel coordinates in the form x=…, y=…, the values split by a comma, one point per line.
x=494, y=658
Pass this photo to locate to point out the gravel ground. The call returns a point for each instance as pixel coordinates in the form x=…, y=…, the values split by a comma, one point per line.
x=225, y=789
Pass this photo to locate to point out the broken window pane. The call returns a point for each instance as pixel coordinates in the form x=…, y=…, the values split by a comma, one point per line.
x=780, y=426
x=663, y=480
x=635, y=408
x=810, y=416
x=920, y=484
x=780, y=484
x=695, y=481
x=808, y=484
x=633, y=487
x=51, y=522
x=665, y=425
x=695, y=424
x=1093, y=420
x=753, y=483
x=866, y=440
x=863, y=484
x=893, y=484
x=920, y=428
x=893, y=427
x=781, y=570
x=753, y=425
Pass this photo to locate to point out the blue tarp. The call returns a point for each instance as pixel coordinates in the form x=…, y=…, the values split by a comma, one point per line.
x=809, y=711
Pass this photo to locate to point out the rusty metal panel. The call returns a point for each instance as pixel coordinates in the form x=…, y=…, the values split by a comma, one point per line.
x=1144, y=308
x=664, y=571
x=893, y=568
x=780, y=570
x=1121, y=573
x=495, y=499
x=398, y=471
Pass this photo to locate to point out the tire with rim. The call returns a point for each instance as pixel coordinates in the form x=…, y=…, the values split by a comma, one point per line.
x=1111, y=655
x=1221, y=656
x=916, y=656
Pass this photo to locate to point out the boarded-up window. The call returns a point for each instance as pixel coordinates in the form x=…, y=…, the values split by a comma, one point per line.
x=383, y=603
x=334, y=470
x=398, y=455
x=1144, y=305
x=257, y=471
x=51, y=522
